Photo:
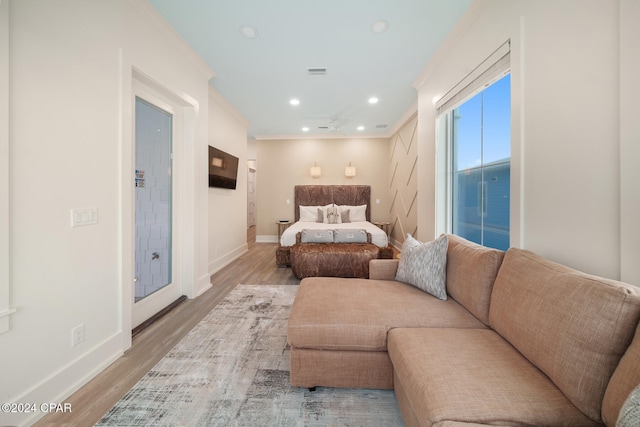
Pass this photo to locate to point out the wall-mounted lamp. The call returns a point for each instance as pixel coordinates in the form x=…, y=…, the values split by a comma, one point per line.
x=315, y=171
x=350, y=171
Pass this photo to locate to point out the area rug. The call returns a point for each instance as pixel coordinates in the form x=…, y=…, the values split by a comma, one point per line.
x=232, y=369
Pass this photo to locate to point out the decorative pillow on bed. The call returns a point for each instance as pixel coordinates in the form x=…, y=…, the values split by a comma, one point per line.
x=309, y=213
x=332, y=214
x=316, y=236
x=344, y=215
x=356, y=213
x=424, y=265
x=349, y=236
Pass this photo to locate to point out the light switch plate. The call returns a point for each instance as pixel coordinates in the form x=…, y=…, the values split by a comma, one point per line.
x=81, y=217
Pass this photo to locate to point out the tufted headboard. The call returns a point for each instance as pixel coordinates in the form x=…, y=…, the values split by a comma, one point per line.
x=321, y=195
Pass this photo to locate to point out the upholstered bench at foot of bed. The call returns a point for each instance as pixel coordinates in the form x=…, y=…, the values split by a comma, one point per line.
x=283, y=255
x=332, y=259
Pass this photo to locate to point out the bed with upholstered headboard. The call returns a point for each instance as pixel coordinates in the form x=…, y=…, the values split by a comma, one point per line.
x=338, y=208
x=340, y=195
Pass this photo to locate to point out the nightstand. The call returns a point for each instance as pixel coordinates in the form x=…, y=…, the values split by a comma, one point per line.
x=383, y=225
x=283, y=224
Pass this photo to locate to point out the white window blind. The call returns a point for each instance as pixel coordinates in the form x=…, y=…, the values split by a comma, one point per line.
x=493, y=68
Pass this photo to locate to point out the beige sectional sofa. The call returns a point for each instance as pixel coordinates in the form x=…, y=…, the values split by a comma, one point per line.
x=519, y=340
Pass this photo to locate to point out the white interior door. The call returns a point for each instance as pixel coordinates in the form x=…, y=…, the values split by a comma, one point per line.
x=251, y=195
x=156, y=282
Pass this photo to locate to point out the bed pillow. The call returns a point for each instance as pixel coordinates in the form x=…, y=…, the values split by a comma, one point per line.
x=316, y=236
x=344, y=215
x=309, y=213
x=424, y=265
x=332, y=214
x=349, y=236
x=356, y=213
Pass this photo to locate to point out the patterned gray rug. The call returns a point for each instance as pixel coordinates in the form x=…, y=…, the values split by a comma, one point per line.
x=232, y=369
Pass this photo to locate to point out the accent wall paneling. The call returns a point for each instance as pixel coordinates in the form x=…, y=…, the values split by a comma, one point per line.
x=403, y=185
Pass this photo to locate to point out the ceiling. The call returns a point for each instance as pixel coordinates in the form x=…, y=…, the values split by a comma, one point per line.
x=259, y=76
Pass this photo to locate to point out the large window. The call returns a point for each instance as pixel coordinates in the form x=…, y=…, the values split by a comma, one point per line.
x=475, y=133
x=481, y=165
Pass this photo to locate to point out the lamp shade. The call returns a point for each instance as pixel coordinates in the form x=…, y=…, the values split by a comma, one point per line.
x=350, y=171
x=315, y=171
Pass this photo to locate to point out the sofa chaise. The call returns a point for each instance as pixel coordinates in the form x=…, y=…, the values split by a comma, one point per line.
x=516, y=340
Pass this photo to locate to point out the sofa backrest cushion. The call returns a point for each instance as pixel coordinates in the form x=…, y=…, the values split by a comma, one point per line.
x=471, y=272
x=574, y=327
x=624, y=380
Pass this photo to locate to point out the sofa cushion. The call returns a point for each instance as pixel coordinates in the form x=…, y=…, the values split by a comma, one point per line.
x=471, y=272
x=572, y=326
x=424, y=265
x=623, y=381
x=469, y=375
x=356, y=314
x=383, y=269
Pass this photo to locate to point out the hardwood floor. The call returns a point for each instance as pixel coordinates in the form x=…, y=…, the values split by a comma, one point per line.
x=92, y=401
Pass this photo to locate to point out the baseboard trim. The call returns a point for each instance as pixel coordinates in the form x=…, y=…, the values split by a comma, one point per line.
x=144, y=325
x=67, y=380
x=266, y=238
x=217, y=264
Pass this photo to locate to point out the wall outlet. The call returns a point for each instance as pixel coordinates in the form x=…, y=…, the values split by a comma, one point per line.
x=77, y=335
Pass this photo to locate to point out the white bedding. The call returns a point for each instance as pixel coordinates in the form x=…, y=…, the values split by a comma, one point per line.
x=378, y=237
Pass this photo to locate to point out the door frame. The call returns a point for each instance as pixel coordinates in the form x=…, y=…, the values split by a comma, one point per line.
x=184, y=209
x=163, y=297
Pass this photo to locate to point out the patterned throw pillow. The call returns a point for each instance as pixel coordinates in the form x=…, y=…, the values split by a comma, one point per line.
x=630, y=411
x=424, y=265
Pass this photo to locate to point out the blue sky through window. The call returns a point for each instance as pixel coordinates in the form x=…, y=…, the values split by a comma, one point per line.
x=481, y=147
x=492, y=107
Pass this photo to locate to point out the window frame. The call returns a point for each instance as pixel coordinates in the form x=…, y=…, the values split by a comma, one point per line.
x=492, y=69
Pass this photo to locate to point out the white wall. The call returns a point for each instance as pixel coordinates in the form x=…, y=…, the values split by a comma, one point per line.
x=629, y=140
x=283, y=164
x=566, y=181
x=227, y=208
x=71, y=65
x=4, y=167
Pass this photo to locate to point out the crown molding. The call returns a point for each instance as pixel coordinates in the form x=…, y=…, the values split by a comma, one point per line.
x=320, y=136
x=228, y=107
x=404, y=119
x=399, y=124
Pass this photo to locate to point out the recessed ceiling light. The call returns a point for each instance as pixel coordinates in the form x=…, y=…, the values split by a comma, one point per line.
x=360, y=127
x=379, y=26
x=373, y=100
x=305, y=129
x=294, y=101
x=248, y=32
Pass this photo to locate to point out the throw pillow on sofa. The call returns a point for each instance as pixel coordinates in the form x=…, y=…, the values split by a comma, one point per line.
x=424, y=265
x=630, y=412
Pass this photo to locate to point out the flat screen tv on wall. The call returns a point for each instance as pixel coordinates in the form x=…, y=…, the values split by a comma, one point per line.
x=223, y=169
